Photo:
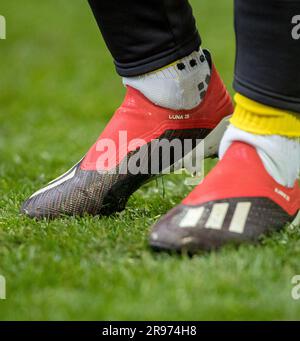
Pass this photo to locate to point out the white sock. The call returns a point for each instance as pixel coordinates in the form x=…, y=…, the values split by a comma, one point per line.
x=181, y=86
x=280, y=155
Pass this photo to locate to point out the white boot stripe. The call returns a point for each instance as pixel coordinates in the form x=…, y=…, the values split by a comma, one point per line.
x=240, y=216
x=66, y=173
x=56, y=183
x=217, y=216
x=192, y=217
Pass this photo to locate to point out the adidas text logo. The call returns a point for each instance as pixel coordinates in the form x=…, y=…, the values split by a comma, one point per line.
x=284, y=195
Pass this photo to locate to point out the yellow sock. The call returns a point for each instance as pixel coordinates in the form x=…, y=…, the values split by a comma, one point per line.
x=261, y=119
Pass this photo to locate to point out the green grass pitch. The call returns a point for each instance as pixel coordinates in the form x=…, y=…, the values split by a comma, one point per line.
x=58, y=88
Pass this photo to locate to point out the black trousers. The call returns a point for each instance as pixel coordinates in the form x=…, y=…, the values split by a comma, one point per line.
x=143, y=35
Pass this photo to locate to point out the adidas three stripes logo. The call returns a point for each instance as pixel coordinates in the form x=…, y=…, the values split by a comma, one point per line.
x=217, y=216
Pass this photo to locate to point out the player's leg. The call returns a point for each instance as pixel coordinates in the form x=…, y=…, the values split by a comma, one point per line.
x=173, y=92
x=143, y=36
x=254, y=188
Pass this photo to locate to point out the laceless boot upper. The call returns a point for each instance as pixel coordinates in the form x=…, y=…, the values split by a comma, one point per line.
x=95, y=188
x=237, y=202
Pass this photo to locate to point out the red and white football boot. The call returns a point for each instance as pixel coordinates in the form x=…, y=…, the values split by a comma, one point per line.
x=237, y=202
x=96, y=187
